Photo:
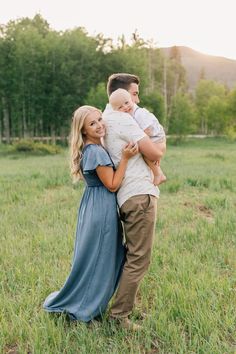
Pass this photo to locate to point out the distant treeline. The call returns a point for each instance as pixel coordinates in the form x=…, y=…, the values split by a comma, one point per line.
x=46, y=74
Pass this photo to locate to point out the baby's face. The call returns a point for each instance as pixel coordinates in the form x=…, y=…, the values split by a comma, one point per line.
x=121, y=101
x=125, y=105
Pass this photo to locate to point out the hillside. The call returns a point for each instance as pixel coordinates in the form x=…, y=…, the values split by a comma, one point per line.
x=215, y=68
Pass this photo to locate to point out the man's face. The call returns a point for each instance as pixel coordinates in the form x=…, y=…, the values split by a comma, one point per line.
x=134, y=92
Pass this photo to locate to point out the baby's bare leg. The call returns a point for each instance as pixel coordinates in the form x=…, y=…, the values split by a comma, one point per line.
x=159, y=176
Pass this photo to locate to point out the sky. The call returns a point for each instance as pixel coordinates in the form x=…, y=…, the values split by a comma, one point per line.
x=207, y=26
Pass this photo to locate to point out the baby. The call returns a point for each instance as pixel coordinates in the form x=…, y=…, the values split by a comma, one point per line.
x=120, y=100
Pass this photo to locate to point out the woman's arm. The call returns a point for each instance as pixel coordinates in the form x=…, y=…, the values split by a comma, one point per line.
x=112, y=179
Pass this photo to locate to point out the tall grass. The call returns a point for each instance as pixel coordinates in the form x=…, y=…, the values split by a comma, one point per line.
x=189, y=292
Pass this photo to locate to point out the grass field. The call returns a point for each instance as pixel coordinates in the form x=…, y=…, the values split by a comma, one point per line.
x=189, y=291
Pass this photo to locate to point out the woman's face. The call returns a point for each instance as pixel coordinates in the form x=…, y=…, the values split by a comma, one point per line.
x=94, y=127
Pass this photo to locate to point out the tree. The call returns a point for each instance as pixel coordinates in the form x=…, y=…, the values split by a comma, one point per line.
x=216, y=115
x=45, y=74
x=154, y=102
x=177, y=74
x=174, y=80
x=20, y=89
x=97, y=96
x=6, y=80
x=231, y=109
x=204, y=91
x=182, y=115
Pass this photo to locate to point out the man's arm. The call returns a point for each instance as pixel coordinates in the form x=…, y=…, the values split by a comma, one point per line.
x=150, y=150
x=127, y=128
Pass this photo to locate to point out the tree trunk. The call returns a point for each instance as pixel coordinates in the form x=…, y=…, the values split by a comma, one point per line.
x=6, y=120
x=165, y=93
x=150, y=71
x=25, y=131
x=1, y=132
x=53, y=134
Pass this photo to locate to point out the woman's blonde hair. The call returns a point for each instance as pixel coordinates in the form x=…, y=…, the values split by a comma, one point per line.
x=76, y=139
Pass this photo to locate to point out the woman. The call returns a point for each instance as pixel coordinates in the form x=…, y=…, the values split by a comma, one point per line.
x=99, y=253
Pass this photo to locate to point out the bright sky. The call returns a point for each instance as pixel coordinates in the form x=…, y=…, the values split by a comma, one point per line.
x=204, y=25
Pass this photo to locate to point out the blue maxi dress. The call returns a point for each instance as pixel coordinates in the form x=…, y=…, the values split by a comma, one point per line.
x=99, y=251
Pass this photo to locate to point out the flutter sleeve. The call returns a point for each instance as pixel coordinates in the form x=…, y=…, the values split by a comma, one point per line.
x=94, y=156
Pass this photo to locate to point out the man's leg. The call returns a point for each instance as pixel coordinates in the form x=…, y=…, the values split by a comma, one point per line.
x=138, y=214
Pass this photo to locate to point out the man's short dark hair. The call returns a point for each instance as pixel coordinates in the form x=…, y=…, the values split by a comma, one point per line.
x=121, y=80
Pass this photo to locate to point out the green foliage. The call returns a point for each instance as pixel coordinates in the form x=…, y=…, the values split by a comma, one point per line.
x=231, y=132
x=45, y=75
x=174, y=80
x=181, y=121
x=176, y=72
x=154, y=103
x=24, y=146
x=97, y=96
x=210, y=105
x=28, y=146
x=232, y=104
x=216, y=115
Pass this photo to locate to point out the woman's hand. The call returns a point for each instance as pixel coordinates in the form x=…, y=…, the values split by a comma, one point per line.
x=113, y=179
x=129, y=150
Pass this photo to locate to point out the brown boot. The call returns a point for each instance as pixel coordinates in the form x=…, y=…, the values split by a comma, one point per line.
x=126, y=323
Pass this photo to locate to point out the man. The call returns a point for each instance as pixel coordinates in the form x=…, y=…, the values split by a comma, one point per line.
x=137, y=196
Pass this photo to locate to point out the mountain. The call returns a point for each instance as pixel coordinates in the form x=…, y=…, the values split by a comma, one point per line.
x=214, y=68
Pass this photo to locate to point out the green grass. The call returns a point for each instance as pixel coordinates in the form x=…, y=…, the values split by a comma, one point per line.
x=189, y=291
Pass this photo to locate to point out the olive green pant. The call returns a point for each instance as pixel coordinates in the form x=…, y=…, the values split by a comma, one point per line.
x=138, y=214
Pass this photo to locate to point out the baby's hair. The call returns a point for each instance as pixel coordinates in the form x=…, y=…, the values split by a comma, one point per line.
x=117, y=97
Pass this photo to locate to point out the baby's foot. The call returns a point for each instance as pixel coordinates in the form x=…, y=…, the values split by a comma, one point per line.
x=161, y=178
